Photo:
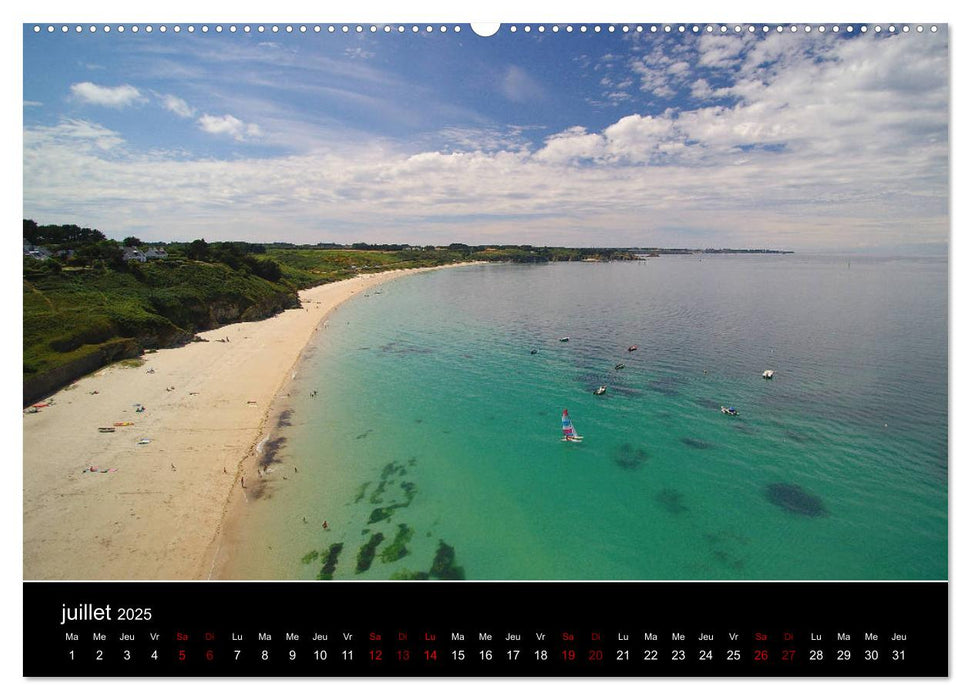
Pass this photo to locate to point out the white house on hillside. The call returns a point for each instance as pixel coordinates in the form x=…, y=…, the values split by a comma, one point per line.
x=32, y=251
x=129, y=253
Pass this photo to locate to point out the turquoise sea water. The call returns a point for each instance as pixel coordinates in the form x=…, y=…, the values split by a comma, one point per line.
x=432, y=407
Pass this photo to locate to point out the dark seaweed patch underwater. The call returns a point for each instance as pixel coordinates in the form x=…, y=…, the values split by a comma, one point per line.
x=271, y=447
x=630, y=457
x=666, y=386
x=672, y=501
x=793, y=498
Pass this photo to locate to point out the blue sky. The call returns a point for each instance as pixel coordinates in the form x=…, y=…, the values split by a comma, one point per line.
x=807, y=141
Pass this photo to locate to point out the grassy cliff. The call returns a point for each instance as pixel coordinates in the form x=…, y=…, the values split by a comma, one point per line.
x=76, y=320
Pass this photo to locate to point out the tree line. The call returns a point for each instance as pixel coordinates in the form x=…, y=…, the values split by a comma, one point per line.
x=88, y=247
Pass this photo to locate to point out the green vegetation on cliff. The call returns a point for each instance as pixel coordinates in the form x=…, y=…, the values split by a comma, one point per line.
x=78, y=319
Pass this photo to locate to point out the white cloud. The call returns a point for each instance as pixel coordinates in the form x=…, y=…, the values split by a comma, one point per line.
x=815, y=142
x=572, y=145
x=653, y=80
x=518, y=86
x=723, y=51
x=700, y=89
x=177, y=105
x=358, y=53
x=228, y=125
x=641, y=139
x=72, y=135
x=508, y=138
x=116, y=97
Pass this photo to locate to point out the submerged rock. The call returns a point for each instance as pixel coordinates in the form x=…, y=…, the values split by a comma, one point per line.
x=795, y=499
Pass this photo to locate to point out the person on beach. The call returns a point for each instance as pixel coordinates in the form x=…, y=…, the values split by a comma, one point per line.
x=324, y=525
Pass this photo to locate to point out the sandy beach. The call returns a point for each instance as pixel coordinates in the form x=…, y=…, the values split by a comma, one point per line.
x=157, y=512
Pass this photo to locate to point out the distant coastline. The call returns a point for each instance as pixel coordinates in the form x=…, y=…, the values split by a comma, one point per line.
x=708, y=251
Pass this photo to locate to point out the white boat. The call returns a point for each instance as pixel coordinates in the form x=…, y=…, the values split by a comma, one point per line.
x=565, y=339
x=767, y=374
x=602, y=389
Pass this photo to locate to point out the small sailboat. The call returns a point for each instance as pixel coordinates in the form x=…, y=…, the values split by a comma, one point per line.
x=569, y=432
x=602, y=389
x=767, y=374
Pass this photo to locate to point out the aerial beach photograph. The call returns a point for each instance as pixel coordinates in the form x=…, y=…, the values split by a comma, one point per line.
x=564, y=303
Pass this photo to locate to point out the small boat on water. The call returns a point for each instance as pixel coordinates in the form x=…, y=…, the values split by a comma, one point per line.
x=569, y=432
x=602, y=389
x=632, y=348
x=619, y=365
x=565, y=339
x=729, y=411
x=767, y=374
x=532, y=352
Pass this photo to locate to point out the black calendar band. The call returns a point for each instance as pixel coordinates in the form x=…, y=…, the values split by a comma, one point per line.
x=389, y=629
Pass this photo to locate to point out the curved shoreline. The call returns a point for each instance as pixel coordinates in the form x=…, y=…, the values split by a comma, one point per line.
x=158, y=511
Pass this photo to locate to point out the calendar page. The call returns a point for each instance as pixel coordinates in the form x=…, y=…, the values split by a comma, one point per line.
x=430, y=349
